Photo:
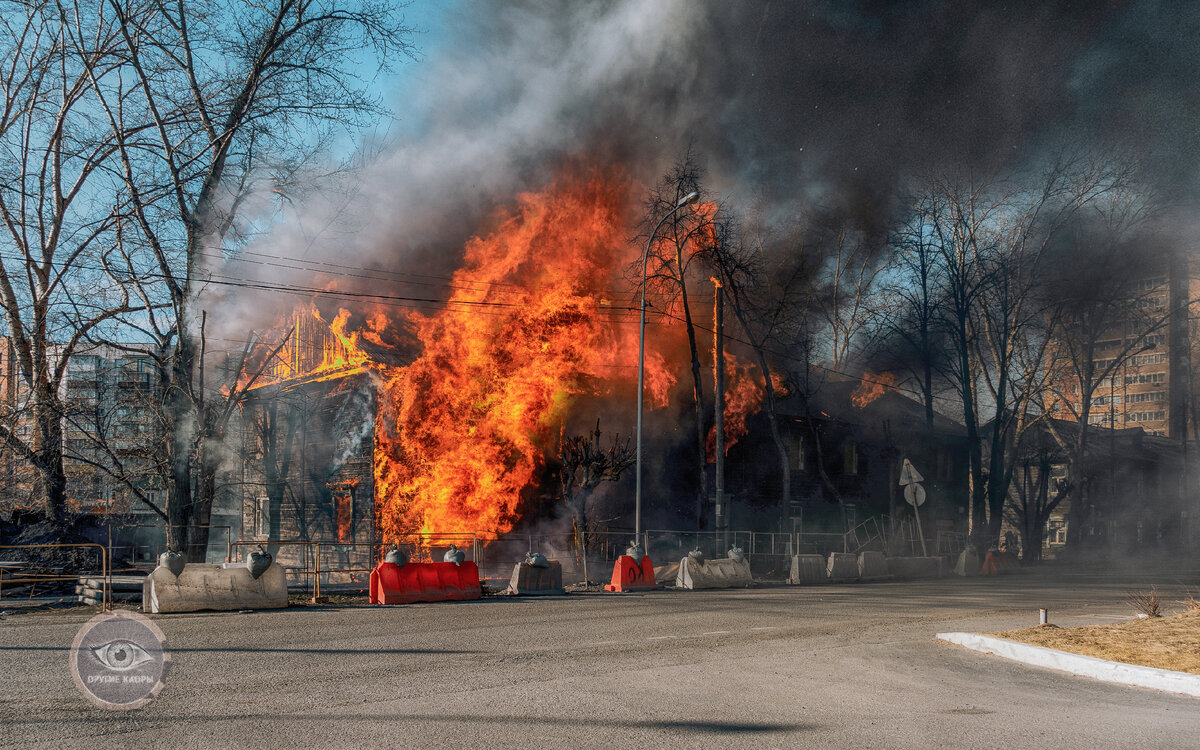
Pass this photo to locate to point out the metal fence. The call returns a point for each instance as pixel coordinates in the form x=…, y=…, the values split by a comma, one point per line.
x=32, y=574
x=144, y=557
x=328, y=566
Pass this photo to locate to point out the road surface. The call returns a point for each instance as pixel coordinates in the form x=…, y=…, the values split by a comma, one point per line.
x=846, y=666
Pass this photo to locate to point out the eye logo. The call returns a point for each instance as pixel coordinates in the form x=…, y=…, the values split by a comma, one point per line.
x=122, y=655
x=120, y=660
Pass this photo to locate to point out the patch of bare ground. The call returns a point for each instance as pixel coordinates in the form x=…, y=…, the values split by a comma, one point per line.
x=1161, y=642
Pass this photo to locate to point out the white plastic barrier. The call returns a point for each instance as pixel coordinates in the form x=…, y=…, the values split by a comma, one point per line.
x=968, y=564
x=872, y=566
x=843, y=566
x=722, y=573
x=808, y=569
x=917, y=567
x=217, y=587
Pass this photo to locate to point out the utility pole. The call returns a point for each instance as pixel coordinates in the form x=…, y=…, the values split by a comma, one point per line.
x=722, y=524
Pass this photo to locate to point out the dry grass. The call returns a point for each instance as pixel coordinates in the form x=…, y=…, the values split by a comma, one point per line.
x=1161, y=642
x=1191, y=601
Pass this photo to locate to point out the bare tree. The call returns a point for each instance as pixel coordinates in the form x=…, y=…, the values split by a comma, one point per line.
x=57, y=225
x=767, y=277
x=847, y=304
x=680, y=243
x=1035, y=494
x=993, y=238
x=908, y=314
x=583, y=463
x=214, y=100
x=1104, y=317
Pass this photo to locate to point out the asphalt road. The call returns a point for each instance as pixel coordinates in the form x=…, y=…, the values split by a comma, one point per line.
x=852, y=666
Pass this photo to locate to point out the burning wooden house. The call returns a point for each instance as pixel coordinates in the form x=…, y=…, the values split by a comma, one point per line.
x=307, y=441
x=394, y=424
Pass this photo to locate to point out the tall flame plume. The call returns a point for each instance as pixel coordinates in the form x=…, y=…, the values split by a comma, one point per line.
x=530, y=327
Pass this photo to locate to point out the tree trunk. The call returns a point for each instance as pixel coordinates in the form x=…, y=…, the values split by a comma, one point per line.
x=181, y=418
x=1079, y=517
x=974, y=449
x=206, y=482
x=1032, y=544
x=698, y=400
x=51, y=475
x=785, y=464
x=579, y=526
x=997, y=485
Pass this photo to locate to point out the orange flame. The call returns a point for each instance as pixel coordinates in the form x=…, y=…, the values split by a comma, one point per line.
x=744, y=394
x=461, y=432
x=343, y=508
x=315, y=351
x=872, y=387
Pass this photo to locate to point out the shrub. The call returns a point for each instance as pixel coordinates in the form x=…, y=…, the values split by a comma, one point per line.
x=1148, y=603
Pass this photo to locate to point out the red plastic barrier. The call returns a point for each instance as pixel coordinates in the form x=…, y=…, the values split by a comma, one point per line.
x=996, y=562
x=424, y=582
x=629, y=576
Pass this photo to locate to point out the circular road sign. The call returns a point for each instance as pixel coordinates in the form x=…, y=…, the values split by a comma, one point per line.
x=914, y=494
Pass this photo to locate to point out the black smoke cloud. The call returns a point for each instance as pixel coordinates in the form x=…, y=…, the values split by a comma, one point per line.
x=789, y=104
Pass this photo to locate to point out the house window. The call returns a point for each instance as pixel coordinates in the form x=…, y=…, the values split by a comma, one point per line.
x=850, y=458
x=262, y=520
x=944, y=463
x=798, y=452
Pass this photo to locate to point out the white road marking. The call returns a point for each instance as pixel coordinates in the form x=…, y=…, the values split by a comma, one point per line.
x=606, y=643
x=661, y=637
x=716, y=632
x=764, y=628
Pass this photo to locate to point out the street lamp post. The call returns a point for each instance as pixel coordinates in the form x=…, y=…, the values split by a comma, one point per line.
x=637, y=493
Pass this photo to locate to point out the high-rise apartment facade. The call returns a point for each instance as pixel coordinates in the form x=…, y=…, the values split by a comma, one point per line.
x=1153, y=352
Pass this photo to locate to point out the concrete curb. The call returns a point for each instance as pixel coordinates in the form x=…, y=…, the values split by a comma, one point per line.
x=1086, y=666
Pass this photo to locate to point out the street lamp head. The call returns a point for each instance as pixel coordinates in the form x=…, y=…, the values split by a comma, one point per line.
x=691, y=197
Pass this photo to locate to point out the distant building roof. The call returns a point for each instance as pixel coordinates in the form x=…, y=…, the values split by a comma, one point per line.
x=836, y=400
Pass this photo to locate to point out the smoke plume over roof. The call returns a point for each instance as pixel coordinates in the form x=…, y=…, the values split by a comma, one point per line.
x=787, y=103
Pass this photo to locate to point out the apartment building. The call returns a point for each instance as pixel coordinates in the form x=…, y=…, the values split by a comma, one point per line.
x=111, y=423
x=1153, y=349
x=108, y=418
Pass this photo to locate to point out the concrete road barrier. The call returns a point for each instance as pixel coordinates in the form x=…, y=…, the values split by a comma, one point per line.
x=666, y=573
x=808, y=569
x=872, y=566
x=766, y=567
x=843, y=566
x=530, y=581
x=917, y=567
x=722, y=573
x=224, y=587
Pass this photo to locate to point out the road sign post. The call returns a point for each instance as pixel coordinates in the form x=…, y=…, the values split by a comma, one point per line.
x=914, y=495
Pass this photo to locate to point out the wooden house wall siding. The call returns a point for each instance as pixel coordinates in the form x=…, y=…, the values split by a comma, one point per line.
x=881, y=439
x=329, y=480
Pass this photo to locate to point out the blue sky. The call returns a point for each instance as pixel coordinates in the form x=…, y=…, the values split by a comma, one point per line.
x=434, y=20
